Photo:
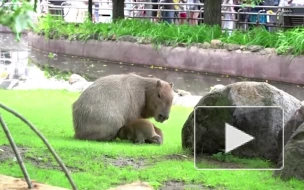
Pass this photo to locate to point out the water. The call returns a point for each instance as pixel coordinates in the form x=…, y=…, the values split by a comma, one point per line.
x=197, y=84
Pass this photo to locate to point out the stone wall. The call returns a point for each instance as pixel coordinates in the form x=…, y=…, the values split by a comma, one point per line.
x=215, y=57
x=4, y=29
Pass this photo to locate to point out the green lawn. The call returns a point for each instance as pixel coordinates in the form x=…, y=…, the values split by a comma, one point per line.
x=97, y=165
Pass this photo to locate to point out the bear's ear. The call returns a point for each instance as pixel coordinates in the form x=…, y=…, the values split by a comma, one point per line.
x=158, y=83
x=171, y=84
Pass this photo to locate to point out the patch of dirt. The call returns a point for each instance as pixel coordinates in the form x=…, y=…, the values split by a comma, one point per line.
x=7, y=153
x=136, y=163
x=178, y=157
x=179, y=185
x=207, y=159
x=47, y=162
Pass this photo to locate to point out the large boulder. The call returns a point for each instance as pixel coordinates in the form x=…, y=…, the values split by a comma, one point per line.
x=291, y=126
x=293, y=156
x=262, y=123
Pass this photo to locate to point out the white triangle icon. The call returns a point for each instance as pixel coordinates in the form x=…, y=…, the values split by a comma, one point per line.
x=235, y=138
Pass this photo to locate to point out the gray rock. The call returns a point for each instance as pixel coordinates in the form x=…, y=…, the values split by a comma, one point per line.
x=291, y=126
x=127, y=38
x=216, y=88
x=293, y=157
x=263, y=52
x=262, y=123
x=204, y=45
x=76, y=78
x=231, y=47
x=254, y=48
x=182, y=92
x=186, y=101
x=216, y=44
x=242, y=47
x=270, y=50
x=246, y=51
x=238, y=51
x=79, y=86
x=182, y=44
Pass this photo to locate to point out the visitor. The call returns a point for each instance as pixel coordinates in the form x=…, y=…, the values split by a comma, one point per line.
x=96, y=13
x=253, y=18
x=167, y=16
x=182, y=13
x=229, y=23
x=271, y=19
x=155, y=11
x=193, y=10
x=57, y=11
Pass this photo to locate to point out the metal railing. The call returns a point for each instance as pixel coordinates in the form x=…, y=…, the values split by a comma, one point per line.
x=143, y=10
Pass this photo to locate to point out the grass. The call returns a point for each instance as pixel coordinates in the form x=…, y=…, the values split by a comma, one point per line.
x=285, y=42
x=100, y=165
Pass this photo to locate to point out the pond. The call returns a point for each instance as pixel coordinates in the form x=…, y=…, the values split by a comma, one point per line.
x=22, y=62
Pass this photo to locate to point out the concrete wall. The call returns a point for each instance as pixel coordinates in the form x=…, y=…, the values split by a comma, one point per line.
x=221, y=61
x=4, y=29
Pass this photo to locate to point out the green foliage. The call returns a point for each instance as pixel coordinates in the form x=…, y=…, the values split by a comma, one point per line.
x=17, y=17
x=285, y=42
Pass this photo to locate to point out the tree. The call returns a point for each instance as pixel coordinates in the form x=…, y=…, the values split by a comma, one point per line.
x=212, y=12
x=118, y=10
x=90, y=9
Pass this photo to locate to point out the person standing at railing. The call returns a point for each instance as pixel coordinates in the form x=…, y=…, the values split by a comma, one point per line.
x=58, y=11
x=229, y=22
x=167, y=16
x=154, y=13
x=193, y=10
x=96, y=12
x=271, y=19
x=183, y=13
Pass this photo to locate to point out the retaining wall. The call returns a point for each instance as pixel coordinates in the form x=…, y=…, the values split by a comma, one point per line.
x=251, y=62
x=4, y=29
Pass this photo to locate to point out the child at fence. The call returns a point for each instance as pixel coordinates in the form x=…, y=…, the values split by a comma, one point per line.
x=183, y=13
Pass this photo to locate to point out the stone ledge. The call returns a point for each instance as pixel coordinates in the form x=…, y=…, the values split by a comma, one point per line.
x=4, y=29
x=269, y=66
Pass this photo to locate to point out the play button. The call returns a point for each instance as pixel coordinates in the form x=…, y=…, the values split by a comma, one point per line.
x=235, y=138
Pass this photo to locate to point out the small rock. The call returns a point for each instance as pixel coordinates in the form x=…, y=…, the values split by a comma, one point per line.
x=218, y=87
x=182, y=92
x=246, y=51
x=76, y=78
x=127, y=38
x=254, y=48
x=243, y=47
x=182, y=44
x=238, y=51
x=141, y=40
x=270, y=50
x=216, y=44
x=204, y=45
x=148, y=40
x=231, y=47
x=263, y=52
